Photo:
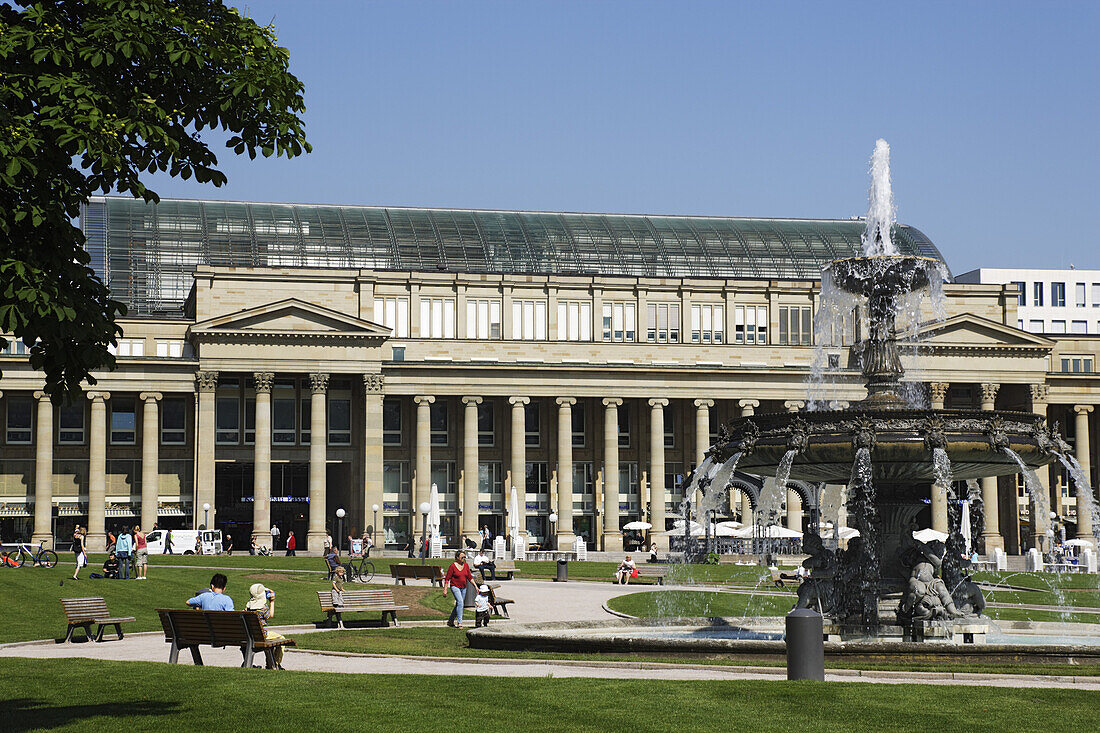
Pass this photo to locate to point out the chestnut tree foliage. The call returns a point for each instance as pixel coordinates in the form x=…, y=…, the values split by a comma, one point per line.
x=94, y=96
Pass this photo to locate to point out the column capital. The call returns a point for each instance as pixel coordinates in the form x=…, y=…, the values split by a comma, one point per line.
x=840, y=404
x=748, y=403
x=658, y=402
x=794, y=405
x=519, y=401
x=374, y=383
x=566, y=401
x=424, y=399
x=40, y=396
x=1040, y=393
x=471, y=400
x=97, y=396
x=318, y=383
x=1082, y=409
x=264, y=381
x=938, y=390
x=154, y=396
x=612, y=401
x=206, y=381
x=989, y=391
x=704, y=403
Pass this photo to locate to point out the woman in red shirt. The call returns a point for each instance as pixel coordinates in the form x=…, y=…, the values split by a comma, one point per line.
x=291, y=545
x=458, y=575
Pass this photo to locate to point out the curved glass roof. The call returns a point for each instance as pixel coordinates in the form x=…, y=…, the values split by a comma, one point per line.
x=149, y=251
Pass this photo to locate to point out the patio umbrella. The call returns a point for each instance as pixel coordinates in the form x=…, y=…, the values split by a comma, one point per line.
x=844, y=533
x=774, y=531
x=964, y=527
x=731, y=524
x=640, y=526
x=433, y=512
x=513, y=514
x=1077, y=543
x=929, y=534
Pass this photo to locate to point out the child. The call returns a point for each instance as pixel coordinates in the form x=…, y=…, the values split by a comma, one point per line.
x=482, y=607
x=338, y=587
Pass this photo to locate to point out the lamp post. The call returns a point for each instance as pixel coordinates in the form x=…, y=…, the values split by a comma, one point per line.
x=554, y=521
x=425, y=507
x=206, y=515
x=340, y=527
x=374, y=527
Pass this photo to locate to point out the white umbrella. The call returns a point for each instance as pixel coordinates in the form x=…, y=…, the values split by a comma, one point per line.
x=844, y=533
x=513, y=514
x=1077, y=543
x=929, y=534
x=721, y=530
x=964, y=526
x=774, y=531
x=433, y=512
x=731, y=524
x=639, y=526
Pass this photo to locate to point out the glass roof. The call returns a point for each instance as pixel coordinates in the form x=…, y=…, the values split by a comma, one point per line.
x=151, y=250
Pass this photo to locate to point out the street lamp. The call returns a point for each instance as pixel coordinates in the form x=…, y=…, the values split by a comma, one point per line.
x=374, y=527
x=340, y=526
x=425, y=507
x=553, y=521
x=206, y=515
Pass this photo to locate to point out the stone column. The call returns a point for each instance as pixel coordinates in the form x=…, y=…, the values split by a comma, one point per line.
x=469, y=468
x=97, y=472
x=1084, y=500
x=657, y=470
x=612, y=537
x=794, y=499
x=422, y=477
x=373, y=389
x=748, y=408
x=318, y=464
x=702, y=440
x=519, y=456
x=990, y=495
x=43, y=472
x=261, y=463
x=1040, y=521
x=206, y=383
x=938, y=393
x=150, y=459
x=564, y=529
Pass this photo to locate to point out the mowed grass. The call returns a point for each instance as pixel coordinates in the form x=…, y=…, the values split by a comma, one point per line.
x=75, y=695
x=688, y=604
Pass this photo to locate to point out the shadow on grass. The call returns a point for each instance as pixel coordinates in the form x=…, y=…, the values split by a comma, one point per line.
x=26, y=714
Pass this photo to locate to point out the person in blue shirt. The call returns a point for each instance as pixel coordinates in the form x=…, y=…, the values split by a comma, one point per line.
x=124, y=546
x=214, y=599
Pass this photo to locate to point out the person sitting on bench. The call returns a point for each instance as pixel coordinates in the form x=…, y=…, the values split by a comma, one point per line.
x=214, y=599
x=482, y=562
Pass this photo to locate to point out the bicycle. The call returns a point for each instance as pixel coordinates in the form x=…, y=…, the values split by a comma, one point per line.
x=41, y=556
x=363, y=573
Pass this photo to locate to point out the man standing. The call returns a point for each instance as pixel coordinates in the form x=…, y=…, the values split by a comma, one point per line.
x=274, y=536
x=214, y=599
x=124, y=545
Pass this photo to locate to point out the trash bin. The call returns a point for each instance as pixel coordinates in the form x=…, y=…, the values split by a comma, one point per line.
x=805, y=645
x=563, y=571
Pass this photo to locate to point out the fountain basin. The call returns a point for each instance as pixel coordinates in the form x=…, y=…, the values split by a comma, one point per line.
x=884, y=275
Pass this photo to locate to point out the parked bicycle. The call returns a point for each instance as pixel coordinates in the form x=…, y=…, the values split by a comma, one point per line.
x=363, y=572
x=41, y=556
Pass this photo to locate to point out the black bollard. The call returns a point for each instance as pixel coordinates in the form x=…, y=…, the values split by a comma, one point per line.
x=805, y=645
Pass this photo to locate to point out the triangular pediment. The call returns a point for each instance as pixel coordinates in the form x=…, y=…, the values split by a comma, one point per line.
x=290, y=317
x=967, y=330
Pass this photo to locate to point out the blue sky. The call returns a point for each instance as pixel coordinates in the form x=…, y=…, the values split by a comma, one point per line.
x=738, y=109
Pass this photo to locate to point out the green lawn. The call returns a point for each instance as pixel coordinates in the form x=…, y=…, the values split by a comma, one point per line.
x=1042, y=581
x=688, y=603
x=75, y=695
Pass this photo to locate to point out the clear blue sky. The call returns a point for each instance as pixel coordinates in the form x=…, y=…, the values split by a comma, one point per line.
x=761, y=109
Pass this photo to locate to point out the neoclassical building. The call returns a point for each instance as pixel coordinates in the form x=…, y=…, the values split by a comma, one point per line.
x=280, y=362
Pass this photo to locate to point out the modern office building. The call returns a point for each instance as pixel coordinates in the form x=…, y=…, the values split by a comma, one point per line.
x=282, y=361
x=1055, y=302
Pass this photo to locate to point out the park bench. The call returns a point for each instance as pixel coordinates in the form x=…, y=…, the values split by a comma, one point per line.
x=499, y=605
x=400, y=572
x=190, y=629
x=360, y=601
x=656, y=572
x=83, y=612
x=505, y=568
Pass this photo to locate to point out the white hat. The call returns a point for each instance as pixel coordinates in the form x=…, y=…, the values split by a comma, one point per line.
x=483, y=588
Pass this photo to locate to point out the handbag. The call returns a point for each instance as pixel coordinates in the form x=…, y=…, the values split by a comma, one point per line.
x=634, y=572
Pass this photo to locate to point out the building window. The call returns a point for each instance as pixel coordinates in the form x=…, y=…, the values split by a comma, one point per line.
x=624, y=425
x=1021, y=293
x=170, y=348
x=396, y=493
x=708, y=324
x=750, y=324
x=670, y=426
x=437, y=420
x=619, y=322
x=19, y=420
x=393, y=313
x=794, y=326
x=70, y=424
x=483, y=319
x=1096, y=295
x=1036, y=326
x=128, y=347
x=1077, y=364
x=1058, y=295
x=532, y=437
x=577, y=418
x=305, y=414
x=284, y=428
x=1057, y=326
x=486, y=434
x=123, y=421
x=629, y=492
x=1079, y=327
x=712, y=428
x=574, y=320
x=674, y=485
x=249, y=420
x=490, y=486
x=537, y=481
x=529, y=320
x=16, y=347
x=173, y=421
x=437, y=318
x=584, y=487
x=339, y=421
x=663, y=323
x=391, y=421
x=1079, y=290
x=1037, y=292
x=228, y=416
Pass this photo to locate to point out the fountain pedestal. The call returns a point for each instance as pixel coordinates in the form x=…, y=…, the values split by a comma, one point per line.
x=958, y=633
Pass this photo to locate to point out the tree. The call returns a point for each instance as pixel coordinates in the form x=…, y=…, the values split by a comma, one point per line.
x=94, y=95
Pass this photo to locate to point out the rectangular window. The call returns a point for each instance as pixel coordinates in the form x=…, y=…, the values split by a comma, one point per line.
x=663, y=323
x=629, y=492
x=750, y=324
x=20, y=420
x=1079, y=327
x=537, y=480
x=1035, y=326
x=1077, y=364
x=284, y=403
x=483, y=319
x=169, y=348
x=490, y=486
x=173, y=421
x=437, y=420
x=305, y=413
x=1057, y=326
x=624, y=425
x=577, y=417
x=339, y=421
x=619, y=322
x=16, y=347
x=486, y=433
x=1079, y=300
x=128, y=347
x=250, y=421
x=396, y=490
x=794, y=326
x=123, y=421
x=70, y=424
x=393, y=313
x=391, y=421
x=1021, y=293
x=437, y=318
x=529, y=320
x=674, y=485
x=531, y=425
x=1037, y=292
x=670, y=426
x=574, y=320
x=1058, y=295
x=1096, y=295
x=227, y=408
x=708, y=323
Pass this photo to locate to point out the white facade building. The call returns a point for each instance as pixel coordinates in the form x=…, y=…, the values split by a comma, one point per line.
x=1050, y=301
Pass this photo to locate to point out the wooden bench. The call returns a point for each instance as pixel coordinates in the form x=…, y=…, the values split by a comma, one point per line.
x=506, y=568
x=499, y=605
x=190, y=629
x=400, y=572
x=656, y=572
x=360, y=601
x=83, y=612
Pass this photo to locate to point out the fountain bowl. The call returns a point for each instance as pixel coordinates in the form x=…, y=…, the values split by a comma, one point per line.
x=889, y=275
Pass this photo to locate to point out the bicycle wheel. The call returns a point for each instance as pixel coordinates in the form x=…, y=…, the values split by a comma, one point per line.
x=366, y=571
x=19, y=557
x=48, y=558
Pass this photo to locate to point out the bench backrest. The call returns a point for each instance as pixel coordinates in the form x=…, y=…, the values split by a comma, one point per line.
x=505, y=564
x=380, y=597
x=216, y=628
x=652, y=570
x=78, y=609
x=401, y=570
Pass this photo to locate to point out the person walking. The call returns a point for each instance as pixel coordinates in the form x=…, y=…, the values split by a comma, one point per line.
x=168, y=543
x=141, y=553
x=458, y=575
x=274, y=537
x=78, y=550
x=124, y=545
x=291, y=544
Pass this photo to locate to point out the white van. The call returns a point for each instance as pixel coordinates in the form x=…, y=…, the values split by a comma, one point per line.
x=183, y=541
